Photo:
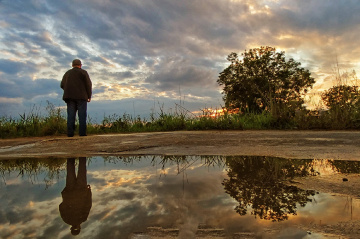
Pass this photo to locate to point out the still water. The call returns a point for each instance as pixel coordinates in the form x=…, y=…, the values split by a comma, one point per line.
x=168, y=197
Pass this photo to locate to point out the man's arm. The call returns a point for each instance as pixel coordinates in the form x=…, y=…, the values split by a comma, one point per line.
x=63, y=81
x=88, y=86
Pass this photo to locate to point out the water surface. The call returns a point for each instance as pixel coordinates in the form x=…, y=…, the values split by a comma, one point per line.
x=184, y=197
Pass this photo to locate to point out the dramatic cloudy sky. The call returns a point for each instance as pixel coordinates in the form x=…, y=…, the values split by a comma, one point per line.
x=144, y=55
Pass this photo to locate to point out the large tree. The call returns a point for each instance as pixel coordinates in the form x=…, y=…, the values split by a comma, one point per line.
x=263, y=79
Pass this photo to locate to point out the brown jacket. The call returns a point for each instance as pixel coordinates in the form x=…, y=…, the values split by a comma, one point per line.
x=76, y=205
x=76, y=84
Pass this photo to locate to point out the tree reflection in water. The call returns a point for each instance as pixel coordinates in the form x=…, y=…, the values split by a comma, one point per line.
x=258, y=184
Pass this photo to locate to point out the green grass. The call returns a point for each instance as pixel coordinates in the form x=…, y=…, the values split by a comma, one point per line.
x=33, y=124
x=54, y=122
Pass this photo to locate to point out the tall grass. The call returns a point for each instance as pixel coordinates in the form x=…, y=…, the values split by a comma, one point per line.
x=34, y=124
x=54, y=122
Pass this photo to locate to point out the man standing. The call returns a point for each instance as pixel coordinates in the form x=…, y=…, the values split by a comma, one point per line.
x=77, y=88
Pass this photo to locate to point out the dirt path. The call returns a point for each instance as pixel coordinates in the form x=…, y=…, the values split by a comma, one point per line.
x=289, y=144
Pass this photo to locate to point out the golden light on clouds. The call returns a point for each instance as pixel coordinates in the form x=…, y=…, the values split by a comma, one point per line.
x=120, y=91
x=109, y=213
x=259, y=9
x=118, y=178
x=286, y=36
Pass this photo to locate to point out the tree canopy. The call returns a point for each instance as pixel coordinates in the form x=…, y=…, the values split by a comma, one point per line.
x=342, y=97
x=264, y=78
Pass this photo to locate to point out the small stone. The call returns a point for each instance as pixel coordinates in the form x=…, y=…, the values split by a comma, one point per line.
x=345, y=180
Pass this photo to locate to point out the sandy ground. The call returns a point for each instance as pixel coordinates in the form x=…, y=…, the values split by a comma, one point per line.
x=339, y=145
x=344, y=145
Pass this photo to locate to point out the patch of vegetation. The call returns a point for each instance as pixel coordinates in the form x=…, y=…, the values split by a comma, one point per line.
x=34, y=124
x=54, y=123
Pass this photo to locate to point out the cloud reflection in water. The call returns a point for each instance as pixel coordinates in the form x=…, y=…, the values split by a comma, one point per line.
x=133, y=194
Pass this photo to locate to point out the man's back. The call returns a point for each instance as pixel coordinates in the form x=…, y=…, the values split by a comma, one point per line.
x=76, y=84
x=77, y=88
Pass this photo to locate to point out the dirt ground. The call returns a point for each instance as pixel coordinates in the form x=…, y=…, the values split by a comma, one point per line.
x=343, y=145
x=337, y=145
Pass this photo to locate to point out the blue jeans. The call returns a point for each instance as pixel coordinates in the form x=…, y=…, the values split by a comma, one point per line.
x=74, y=182
x=81, y=107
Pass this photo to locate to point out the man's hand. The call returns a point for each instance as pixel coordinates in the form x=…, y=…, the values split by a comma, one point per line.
x=89, y=99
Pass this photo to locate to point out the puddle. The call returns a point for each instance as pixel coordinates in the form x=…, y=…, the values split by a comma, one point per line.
x=169, y=197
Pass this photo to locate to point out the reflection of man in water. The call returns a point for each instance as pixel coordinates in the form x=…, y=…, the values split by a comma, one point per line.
x=76, y=195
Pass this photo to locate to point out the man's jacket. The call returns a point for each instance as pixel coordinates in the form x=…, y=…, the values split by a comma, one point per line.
x=76, y=205
x=76, y=84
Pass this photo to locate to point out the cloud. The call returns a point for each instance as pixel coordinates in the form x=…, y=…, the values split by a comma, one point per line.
x=26, y=88
x=324, y=16
x=10, y=67
x=147, y=49
x=177, y=73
